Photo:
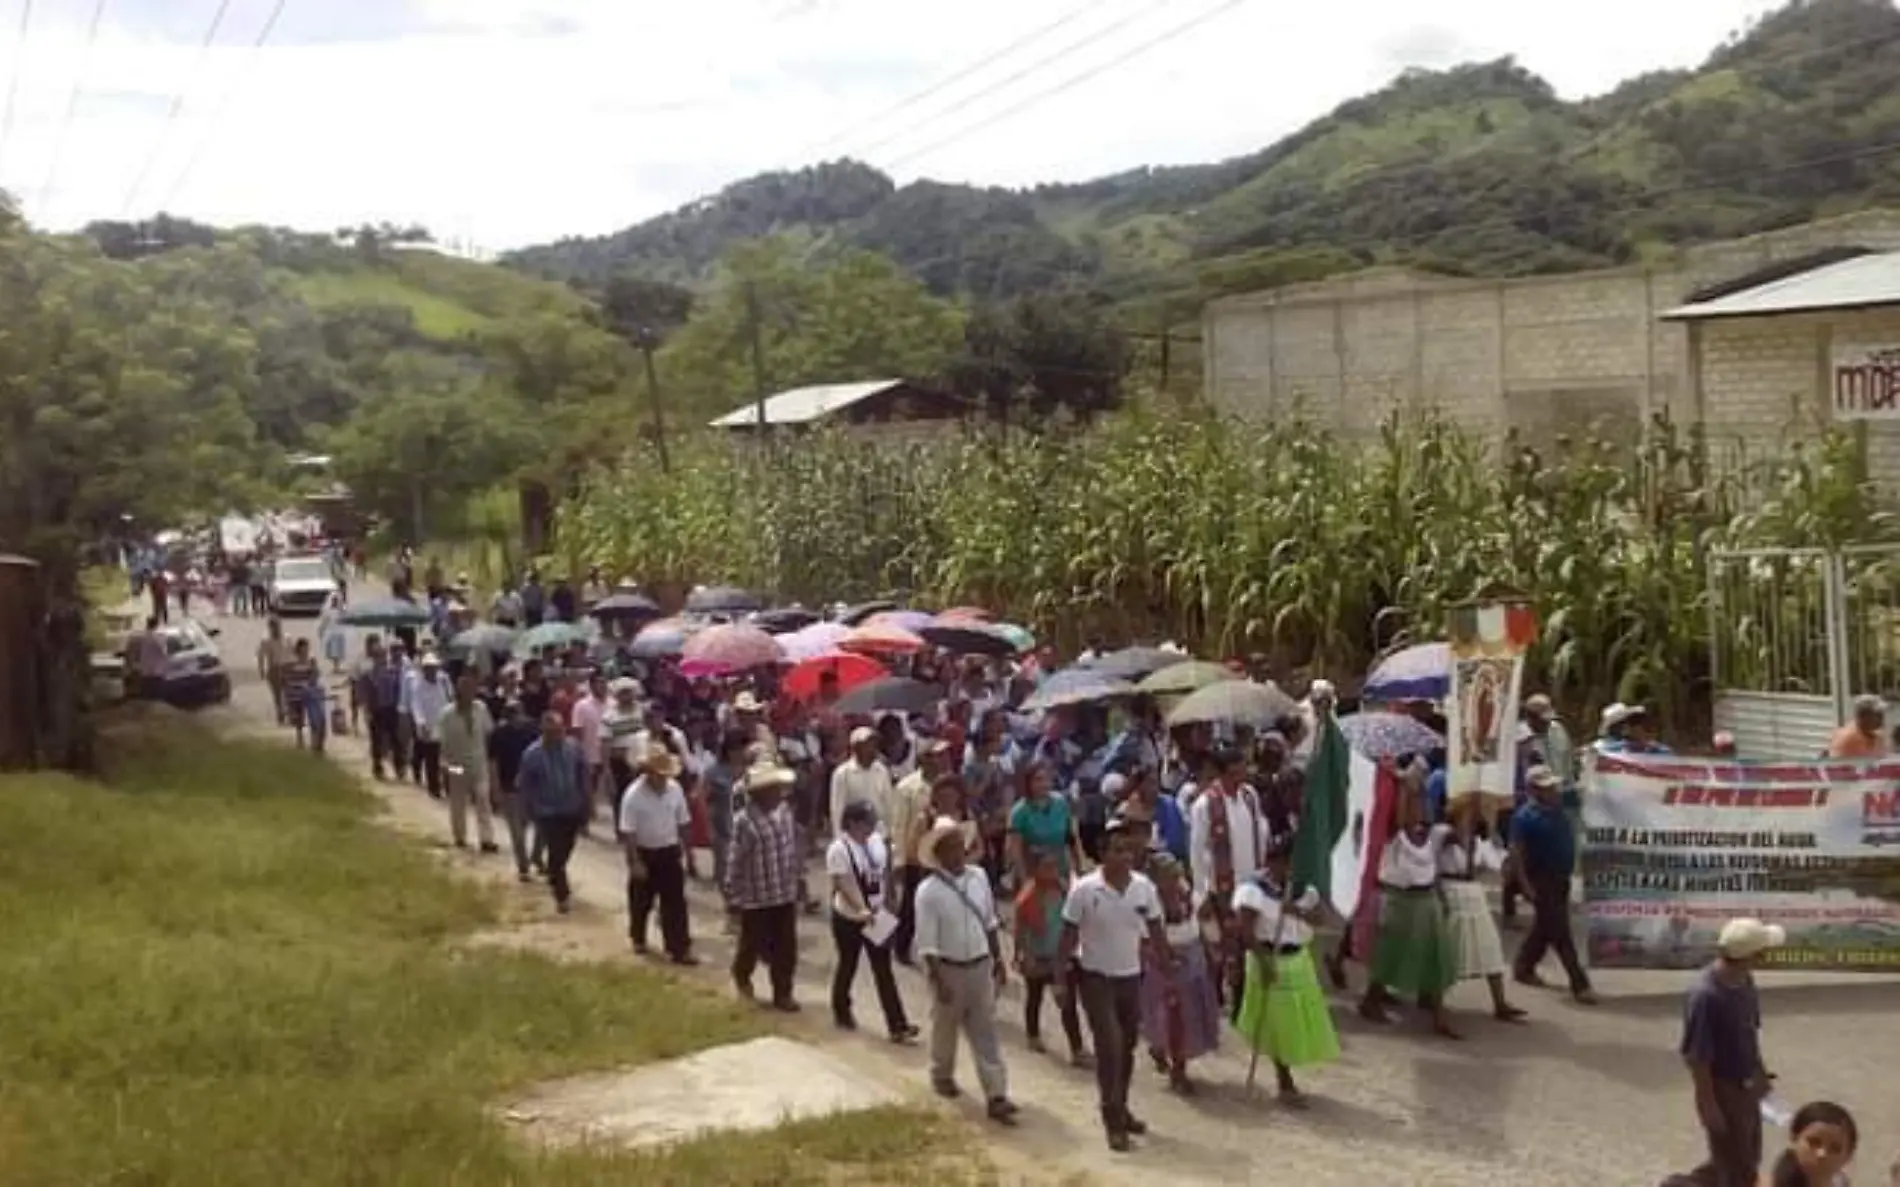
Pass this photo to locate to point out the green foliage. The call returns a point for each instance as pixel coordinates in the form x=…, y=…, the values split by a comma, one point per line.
x=1282, y=539
x=1476, y=169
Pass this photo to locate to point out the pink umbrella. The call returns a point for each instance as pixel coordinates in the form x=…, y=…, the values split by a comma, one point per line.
x=874, y=639
x=816, y=639
x=731, y=647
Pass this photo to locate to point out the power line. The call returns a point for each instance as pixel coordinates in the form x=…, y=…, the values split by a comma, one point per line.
x=19, y=68
x=224, y=104
x=72, y=101
x=1018, y=76
x=177, y=106
x=969, y=69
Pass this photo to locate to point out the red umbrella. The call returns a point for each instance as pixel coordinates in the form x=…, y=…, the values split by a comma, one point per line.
x=881, y=640
x=801, y=683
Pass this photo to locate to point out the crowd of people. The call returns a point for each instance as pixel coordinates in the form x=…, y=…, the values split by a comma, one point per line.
x=1137, y=879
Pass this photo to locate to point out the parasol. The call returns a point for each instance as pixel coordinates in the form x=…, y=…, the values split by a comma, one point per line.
x=625, y=607
x=1132, y=663
x=967, y=638
x=785, y=620
x=1077, y=686
x=1388, y=735
x=1184, y=677
x=816, y=639
x=486, y=637
x=964, y=614
x=1235, y=702
x=904, y=620
x=722, y=599
x=661, y=640
x=1418, y=673
x=548, y=634
x=875, y=639
x=852, y=671
x=894, y=694
x=855, y=615
x=733, y=647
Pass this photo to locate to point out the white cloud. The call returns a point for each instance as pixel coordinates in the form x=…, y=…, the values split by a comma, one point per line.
x=515, y=121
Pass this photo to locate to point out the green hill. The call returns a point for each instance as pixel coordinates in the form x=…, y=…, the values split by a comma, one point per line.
x=1480, y=169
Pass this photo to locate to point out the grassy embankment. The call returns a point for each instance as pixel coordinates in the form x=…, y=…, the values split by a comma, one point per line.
x=215, y=971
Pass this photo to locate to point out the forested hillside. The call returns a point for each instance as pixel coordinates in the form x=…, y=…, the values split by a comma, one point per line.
x=1482, y=168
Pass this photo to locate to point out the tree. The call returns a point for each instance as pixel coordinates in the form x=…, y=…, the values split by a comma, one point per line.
x=633, y=306
x=1039, y=354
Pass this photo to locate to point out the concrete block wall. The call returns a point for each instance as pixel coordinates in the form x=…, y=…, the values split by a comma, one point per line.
x=1542, y=355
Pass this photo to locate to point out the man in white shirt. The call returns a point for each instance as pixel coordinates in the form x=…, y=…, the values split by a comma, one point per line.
x=957, y=940
x=1227, y=835
x=585, y=726
x=1109, y=912
x=653, y=823
x=861, y=777
x=429, y=695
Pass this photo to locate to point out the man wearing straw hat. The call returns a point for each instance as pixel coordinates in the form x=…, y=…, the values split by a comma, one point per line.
x=653, y=822
x=957, y=941
x=764, y=882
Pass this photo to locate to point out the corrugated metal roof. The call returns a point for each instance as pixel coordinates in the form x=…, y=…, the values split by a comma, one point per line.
x=1850, y=284
x=802, y=405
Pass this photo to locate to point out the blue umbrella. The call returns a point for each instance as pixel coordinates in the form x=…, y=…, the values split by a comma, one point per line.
x=1419, y=673
x=1389, y=735
x=1077, y=686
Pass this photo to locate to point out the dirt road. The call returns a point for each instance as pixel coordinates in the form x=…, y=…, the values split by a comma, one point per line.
x=1577, y=1097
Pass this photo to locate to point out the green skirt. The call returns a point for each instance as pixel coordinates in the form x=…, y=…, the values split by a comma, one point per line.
x=1414, y=955
x=1287, y=1020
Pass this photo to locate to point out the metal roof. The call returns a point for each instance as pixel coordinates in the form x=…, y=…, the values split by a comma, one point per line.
x=1850, y=284
x=802, y=405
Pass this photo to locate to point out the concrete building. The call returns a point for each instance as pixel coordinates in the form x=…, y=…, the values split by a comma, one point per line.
x=1543, y=355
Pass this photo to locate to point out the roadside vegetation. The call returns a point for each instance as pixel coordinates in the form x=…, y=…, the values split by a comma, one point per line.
x=215, y=970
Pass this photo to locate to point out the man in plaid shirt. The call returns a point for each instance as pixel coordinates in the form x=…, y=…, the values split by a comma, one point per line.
x=764, y=881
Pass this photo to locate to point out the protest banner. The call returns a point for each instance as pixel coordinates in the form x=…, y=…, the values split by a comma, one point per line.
x=1675, y=847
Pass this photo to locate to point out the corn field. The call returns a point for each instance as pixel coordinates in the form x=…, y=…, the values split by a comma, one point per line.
x=1234, y=540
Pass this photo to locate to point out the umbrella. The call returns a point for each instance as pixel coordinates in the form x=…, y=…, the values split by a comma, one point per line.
x=387, y=613
x=893, y=694
x=904, y=620
x=1418, y=673
x=801, y=683
x=722, y=599
x=1132, y=663
x=1022, y=637
x=1189, y=675
x=963, y=614
x=661, y=640
x=1388, y=735
x=625, y=607
x=784, y=621
x=853, y=615
x=816, y=639
x=967, y=638
x=877, y=639
x=487, y=637
x=1235, y=702
x=733, y=647
x=1077, y=686
x=549, y=634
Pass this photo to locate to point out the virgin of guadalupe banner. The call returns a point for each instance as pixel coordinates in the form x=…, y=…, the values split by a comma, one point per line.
x=1488, y=642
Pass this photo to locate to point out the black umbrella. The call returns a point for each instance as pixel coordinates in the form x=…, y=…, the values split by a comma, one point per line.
x=1132, y=663
x=785, y=620
x=968, y=638
x=853, y=615
x=894, y=694
x=626, y=607
x=722, y=599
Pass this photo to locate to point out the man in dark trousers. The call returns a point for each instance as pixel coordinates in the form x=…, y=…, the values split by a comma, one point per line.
x=1721, y=1043
x=1543, y=856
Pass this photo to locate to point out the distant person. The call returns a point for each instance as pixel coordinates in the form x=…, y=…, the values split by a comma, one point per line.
x=1866, y=735
x=272, y=654
x=764, y=884
x=146, y=660
x=553, y=791
x=300, y=684
x=158, y=585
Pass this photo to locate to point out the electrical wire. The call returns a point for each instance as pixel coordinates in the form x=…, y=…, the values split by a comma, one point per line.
x=72, y=101
x=177, y=107
x=13, y=83
x=1039, y=64
x=224, y=105
x=968, y=70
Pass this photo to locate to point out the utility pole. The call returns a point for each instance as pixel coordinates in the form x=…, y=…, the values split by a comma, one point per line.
x=1167, y=340
x=758, y=349
x=645, y=339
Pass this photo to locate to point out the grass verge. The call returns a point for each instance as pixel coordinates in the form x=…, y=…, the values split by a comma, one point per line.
x=213, y=971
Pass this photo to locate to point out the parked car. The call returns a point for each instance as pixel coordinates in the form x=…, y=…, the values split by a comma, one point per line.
x=301, y=584
x=195, y=674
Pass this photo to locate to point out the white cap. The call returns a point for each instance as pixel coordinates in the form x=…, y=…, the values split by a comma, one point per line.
x=1745, y=939
x=863, y=733
x=1614, y=715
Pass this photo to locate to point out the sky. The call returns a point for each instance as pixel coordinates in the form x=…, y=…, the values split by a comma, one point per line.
x=501, y=123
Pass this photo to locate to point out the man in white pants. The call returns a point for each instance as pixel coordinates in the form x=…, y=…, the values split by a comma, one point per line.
x=957, y=941
x=462, y=732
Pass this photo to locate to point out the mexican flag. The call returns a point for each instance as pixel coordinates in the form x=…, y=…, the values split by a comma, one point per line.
x=1323, y=810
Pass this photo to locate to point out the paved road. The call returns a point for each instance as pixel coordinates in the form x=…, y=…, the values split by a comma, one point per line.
x=1577, y=1098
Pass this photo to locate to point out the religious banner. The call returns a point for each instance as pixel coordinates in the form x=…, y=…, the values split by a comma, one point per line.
x=1488, y=642
x=1673, y=848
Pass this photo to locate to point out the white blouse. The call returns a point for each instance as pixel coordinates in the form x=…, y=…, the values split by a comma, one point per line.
x=1408, y=866
x=1295, y=933
x=867, y=863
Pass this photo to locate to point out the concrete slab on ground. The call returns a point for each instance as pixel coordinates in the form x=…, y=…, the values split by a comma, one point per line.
x=742, y=1086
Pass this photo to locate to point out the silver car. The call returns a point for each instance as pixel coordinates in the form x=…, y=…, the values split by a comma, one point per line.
x=301, y=585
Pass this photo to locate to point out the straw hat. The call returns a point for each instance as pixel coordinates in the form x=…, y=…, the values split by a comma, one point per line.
x=661, y=761
x=942, y=830
x=768, y=774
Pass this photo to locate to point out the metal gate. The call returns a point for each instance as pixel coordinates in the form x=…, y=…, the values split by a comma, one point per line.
x=1795, y=635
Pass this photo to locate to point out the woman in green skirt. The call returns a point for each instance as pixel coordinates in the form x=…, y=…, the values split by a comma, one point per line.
x=1415, y=955
x=1283, y=1010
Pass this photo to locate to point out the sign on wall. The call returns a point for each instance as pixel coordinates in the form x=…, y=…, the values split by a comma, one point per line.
x=1676, y=847
x=1866, y=381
